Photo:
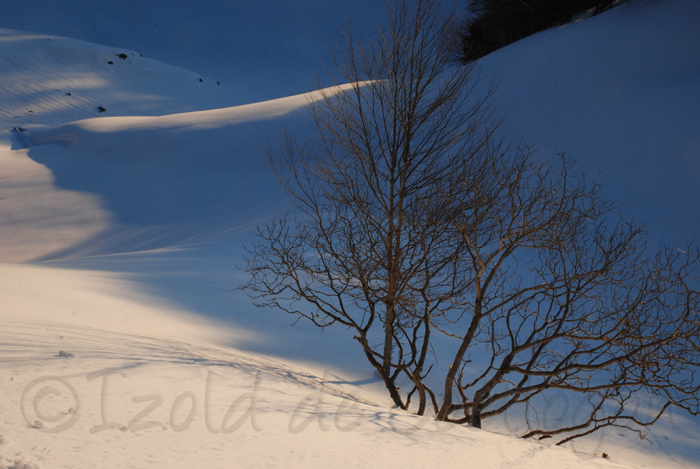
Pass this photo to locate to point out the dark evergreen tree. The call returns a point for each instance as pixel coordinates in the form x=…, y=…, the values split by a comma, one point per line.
x=493, y=24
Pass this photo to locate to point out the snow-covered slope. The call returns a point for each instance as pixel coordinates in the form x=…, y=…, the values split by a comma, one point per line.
x=55, y=80
x=262, y=49
x=100, y=354
x=130, y=221
x=619, y=92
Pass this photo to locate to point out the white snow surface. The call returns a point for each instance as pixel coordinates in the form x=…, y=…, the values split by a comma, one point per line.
x=120, y=231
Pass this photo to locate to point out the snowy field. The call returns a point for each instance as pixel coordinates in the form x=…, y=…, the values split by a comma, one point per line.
x=139, y=172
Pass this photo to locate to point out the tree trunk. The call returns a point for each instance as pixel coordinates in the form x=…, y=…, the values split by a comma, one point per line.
x=389, y=338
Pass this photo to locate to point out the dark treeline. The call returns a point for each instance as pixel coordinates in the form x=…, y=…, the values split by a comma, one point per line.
x=493, y=24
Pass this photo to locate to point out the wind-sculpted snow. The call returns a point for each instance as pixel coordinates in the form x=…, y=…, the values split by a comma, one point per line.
x=136, y=395
x=260, y=50
x=173, y=179
x=53, y=80
x=132, y=185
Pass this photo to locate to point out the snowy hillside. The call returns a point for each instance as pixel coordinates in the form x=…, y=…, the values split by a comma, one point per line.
x=261, y=49
x=619, y=92
x=129, y=183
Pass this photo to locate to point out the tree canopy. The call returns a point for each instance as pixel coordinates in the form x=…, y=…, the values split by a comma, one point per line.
x=416, y=226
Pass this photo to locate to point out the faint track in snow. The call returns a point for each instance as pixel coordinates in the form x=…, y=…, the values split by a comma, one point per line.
x=25, y=344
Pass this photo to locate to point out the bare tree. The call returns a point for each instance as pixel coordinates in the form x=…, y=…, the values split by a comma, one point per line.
x=372, y=251
x=413, y=221
x=560, y=301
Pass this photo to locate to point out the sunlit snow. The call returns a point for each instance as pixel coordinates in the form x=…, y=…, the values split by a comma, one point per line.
x=127, y=190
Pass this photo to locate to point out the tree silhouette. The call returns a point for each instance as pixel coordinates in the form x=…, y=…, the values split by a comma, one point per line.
x=416, y=227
